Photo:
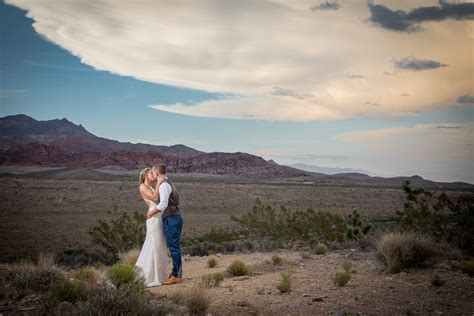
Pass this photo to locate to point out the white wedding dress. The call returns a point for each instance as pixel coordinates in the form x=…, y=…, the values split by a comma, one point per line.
x=153, y=259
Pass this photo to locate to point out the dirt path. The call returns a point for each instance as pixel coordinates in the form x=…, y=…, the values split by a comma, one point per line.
x=368, y=292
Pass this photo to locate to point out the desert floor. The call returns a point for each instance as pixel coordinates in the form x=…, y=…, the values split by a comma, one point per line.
x=54, y=212
x=370, y=291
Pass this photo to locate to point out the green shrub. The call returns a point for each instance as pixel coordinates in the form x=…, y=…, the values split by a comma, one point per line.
x=467, y=266
x=80, y=257
x=238, y=268
x=277, y=260
x=320, y=249
x=212, y=280
x=342, y=278
x=211, y=262
x=292, y=226
x=439, y=216
x=67, y=290
x=218, y=235
x=285, y=284
x=126, y=276
x=357, y=228
x=406, y=250
x=121, y=233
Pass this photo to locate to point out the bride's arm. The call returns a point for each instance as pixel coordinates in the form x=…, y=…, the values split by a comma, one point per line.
x=147, y=193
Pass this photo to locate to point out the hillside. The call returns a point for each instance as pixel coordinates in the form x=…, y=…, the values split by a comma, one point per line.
x=25, y=141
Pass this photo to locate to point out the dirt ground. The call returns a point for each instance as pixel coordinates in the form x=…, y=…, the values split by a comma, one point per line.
x=49, y=214
x=370, y=291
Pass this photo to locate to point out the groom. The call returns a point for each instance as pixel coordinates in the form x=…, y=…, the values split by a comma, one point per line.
x=172, y=221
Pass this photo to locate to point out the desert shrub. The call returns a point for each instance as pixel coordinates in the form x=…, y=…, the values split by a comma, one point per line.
x=26, y=276
x=292, y=226
x=126, y=276
x=320, y=249
x=212, y=280
x=178, y=297
x=305, y=255
x=341, y=278
x=467, y=266
x=67, y=290
x=285, y=284
x=130, y=257
x=197, y=299
x=260, y=290
x=88, y=275
x=218, y=235
x=437, y=215
x=238, y=268
x=347, y=266
x=121, y=233
x=406, y=250
x=437, y=281
x=357, y=228
x=79, y=257
x=277, y=260
x=212, y=262
x=106, y=300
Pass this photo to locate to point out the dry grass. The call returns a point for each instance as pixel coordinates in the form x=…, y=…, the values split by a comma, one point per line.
x=320, y=249
x=130, y=257
x=46, y=260
x=285, y=284
x=197, y=299
x=238, y=268
x=212, y=262
x=406, y=250
x=212, y=280
x=88, y=275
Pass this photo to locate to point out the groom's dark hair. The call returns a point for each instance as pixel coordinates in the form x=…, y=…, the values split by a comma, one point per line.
x=160, y=168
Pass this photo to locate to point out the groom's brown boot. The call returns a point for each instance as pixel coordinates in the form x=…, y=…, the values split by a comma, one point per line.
x=172, y=280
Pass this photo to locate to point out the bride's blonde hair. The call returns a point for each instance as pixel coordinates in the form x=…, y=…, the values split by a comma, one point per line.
x=144, y=174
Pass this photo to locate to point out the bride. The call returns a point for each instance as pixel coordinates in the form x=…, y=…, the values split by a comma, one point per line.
x=153, y=258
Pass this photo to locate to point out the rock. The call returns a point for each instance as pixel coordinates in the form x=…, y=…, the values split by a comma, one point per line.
x=240, y=303
x=294, y=306
x=317, y=299
x=241, y=278
x=306, y=295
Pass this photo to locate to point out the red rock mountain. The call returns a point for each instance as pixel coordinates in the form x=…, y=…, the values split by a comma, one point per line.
x=61, y=143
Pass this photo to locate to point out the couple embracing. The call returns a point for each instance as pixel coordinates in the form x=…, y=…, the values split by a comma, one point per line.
x=163, y=228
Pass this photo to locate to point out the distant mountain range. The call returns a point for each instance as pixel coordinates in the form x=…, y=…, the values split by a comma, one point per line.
x=61, y=143
x=328, y=170
x=25, y=141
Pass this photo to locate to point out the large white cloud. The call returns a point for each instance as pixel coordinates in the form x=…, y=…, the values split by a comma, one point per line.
x=333, y=62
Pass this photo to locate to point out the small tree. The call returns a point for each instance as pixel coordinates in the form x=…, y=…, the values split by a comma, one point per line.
x=121, y=233
x=357, y=228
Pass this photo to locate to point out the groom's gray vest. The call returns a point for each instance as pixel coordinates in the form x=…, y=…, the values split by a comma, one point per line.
x=173, y=202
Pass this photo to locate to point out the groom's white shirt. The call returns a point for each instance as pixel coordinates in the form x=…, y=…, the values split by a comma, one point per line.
x=165, y=191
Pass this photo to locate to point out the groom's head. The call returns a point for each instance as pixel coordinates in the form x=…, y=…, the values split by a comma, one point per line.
x=159, y=169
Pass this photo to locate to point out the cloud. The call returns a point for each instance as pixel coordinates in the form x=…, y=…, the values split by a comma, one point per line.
x=326, y=5
x=438, y=152
x=412, y=63
x=402, y=21
x=282, y=62
x=465, y=99
x=288, y=92
x=354, y=76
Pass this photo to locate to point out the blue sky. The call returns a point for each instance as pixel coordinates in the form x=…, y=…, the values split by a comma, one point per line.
x=341, y=117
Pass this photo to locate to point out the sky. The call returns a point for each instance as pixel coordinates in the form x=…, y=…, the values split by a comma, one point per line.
x=382, y=86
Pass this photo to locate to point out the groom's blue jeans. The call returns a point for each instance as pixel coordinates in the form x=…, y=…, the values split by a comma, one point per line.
x=173, y=225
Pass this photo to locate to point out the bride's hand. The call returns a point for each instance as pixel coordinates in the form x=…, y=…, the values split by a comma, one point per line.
x=160, y=180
